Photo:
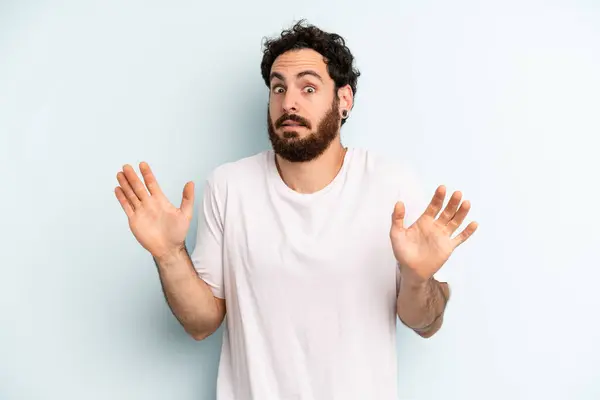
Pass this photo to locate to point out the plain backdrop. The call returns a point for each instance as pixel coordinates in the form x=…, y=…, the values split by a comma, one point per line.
x=498, y=99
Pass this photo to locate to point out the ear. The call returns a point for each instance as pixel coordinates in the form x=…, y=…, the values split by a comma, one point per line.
x=346, y=98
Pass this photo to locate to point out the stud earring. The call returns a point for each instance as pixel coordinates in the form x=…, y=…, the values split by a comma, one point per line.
x=345, y=114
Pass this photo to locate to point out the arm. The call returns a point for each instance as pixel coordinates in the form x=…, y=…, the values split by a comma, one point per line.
x=161, y=228
x=421, y=250
x=189, y=297
x=421, y=305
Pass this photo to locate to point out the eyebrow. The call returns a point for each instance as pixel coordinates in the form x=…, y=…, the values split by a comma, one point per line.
x=299, y=75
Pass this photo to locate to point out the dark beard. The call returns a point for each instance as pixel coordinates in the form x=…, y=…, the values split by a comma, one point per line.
x=292, y=149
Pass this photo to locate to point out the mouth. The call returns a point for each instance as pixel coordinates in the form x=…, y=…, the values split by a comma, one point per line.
x=292, y=124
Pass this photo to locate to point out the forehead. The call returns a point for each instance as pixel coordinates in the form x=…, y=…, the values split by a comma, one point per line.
x=292, y=62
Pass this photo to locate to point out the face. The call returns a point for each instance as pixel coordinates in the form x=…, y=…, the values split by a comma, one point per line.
x=304, y=112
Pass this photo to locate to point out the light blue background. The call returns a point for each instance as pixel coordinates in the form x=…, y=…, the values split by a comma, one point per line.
x=497, y=99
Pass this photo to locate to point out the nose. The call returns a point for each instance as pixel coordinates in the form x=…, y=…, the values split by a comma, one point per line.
x=290, y=102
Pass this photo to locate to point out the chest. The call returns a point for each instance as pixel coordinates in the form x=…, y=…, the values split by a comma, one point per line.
x=341, y=241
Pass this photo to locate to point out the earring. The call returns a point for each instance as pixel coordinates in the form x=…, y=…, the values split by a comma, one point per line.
x=344, y=114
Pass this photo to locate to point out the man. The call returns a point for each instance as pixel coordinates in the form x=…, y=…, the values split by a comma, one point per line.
x=304, y=249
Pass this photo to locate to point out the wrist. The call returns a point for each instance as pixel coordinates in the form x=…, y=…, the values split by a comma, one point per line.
x=413, y=280
x=415, y=286
x=172, y=255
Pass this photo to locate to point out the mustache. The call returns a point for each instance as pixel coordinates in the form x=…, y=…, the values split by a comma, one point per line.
x=291, y=117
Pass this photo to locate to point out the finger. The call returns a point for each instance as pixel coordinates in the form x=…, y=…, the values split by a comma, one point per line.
x=134, y=181
x=437, y=202
x=187, y=201
x=398, y=215
x=465, y=234
x=126, y=188
x=150, y=179
x=459, y=216
x=125, y=204
x=450, y=209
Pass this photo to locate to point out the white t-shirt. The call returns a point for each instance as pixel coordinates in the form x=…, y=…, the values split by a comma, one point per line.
x=310, y=280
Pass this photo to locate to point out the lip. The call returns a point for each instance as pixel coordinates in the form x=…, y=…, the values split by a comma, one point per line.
x=291, y=124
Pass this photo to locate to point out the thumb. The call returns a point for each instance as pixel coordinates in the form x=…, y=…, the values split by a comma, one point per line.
x=398, y=215
x=187, y=202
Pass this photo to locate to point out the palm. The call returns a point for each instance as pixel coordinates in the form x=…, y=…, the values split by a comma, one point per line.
x=158, y=225
x=426, y=245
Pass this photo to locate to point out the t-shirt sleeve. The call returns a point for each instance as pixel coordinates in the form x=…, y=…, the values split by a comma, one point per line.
x=411, y=191
x=207, y=256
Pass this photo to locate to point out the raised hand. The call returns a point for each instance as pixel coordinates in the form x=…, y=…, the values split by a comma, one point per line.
x=423, y=248
x=159, y=226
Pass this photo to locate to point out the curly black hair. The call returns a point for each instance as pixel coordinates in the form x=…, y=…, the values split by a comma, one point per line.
x=332, y=46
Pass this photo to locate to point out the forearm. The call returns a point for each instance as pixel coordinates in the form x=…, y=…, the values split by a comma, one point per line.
x=189, y=297
x=421, y=306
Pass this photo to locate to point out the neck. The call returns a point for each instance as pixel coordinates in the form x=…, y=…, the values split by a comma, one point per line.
x=312, y=176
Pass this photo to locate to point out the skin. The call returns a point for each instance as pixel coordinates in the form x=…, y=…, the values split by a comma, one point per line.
x=421, y=250
x=300, y=86
x=161, y=228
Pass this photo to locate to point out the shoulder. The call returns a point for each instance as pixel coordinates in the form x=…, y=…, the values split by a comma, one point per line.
x=245, y=170
x=396, y=178
x=388, y=170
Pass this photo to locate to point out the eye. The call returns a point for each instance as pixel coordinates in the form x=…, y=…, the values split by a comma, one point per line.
x=278, y=89
x=309, y=89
